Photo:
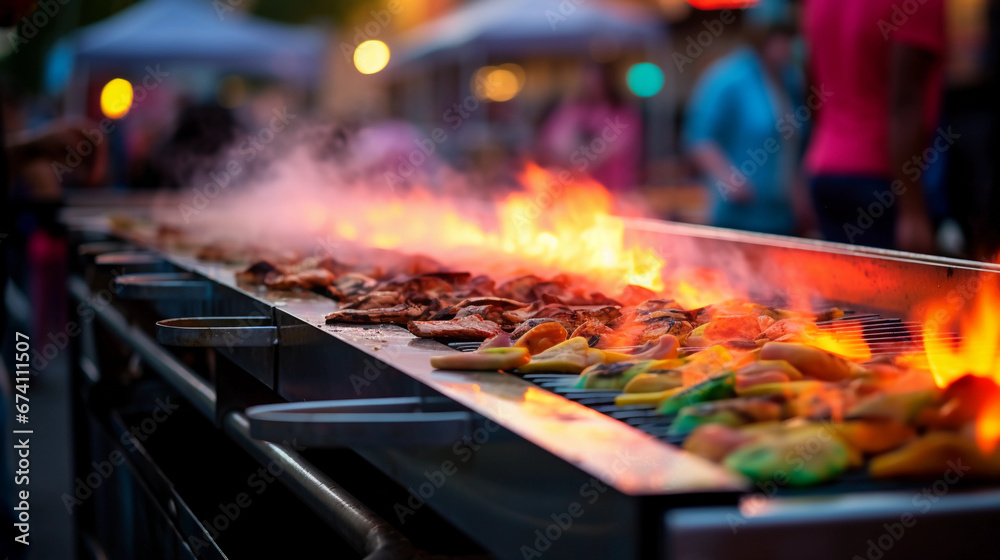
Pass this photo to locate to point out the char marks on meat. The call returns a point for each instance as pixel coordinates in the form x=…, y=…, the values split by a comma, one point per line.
x=569, y=317
x=665, y=325
x=488, y=312
x=306, y=280
x=470, y=327
x=595, y=333
x=257, y=272
x=375, y=300
x=398, y=314
x=501, y=303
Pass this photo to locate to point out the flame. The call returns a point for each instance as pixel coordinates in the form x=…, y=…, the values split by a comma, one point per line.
x=570, y=227
x=978, y=353
x=848, y=342
x=549, y=227
x=988, y=426
x=699, y=286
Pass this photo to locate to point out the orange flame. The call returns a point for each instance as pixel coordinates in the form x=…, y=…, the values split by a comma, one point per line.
x=570, y=227
x=550, y=227
x=978, y=353
x=700, y=286
x=848, y=342
x=988, y=426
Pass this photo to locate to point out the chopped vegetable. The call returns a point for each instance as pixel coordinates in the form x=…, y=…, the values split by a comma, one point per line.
x=811, y=361
x=933, y=455
x=725, y=412
x=626, y=399
x=714, y=441
x=612, y=376
x=721, y=387
x=572, y=356
x=901, y=407
x=875, y=436
x=796, y=456
x=663, y=348
x=764, y=366
x=542, y=337
x=501, y=340
x=490, y=359
x=655, y=380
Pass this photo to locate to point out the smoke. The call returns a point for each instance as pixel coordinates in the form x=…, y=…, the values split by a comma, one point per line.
x=321, y=191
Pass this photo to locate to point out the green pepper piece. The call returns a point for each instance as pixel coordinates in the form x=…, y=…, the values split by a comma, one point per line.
x=728, y=412
x=687, y=420
x=781, y=455
x=721, y=387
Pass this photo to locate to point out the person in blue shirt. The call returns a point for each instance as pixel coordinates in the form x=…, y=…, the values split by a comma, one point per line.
x=743, y=135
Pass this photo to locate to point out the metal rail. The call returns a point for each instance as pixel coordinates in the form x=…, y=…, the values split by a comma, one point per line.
x=365, y=531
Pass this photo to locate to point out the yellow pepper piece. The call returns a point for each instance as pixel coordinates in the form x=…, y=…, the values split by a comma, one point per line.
x=769, y=365
x=542, y=337
x=490, y=359
x=654, y=398
x=932, y=455
x=572, y=356
x=653, y=382
x=615, y=357
x=790, y=390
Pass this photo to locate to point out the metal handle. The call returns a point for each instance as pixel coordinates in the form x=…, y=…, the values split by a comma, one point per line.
x=218, y=332
x=163, y=286
x=133, y=261
x=119, y=258
x=94, y=249
x=390, y=422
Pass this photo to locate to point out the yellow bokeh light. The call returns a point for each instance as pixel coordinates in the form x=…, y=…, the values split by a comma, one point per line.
x=495, y=83
x=116, y=98
x=371, y=56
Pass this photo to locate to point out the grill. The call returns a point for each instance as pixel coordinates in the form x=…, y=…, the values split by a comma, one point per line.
x=526, y=451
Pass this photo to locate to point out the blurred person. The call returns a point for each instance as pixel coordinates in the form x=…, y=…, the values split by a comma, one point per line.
x=735, y=135
x=884, y=68
x=596, y=133
x=204, y=133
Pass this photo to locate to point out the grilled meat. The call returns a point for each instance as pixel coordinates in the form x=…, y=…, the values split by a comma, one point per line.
x=398, y=314
x=306, y=280
x=471, y=327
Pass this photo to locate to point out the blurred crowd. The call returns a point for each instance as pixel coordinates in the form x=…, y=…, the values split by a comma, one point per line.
x=869, y=122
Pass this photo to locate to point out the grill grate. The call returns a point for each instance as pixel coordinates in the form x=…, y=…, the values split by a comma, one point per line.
x=884, y=336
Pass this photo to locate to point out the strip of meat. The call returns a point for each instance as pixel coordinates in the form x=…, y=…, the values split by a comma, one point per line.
x=592, y=331
x=307, y=280
x=521, y=288
x=375, y=300
x=354, y=284
x=257, y=272
x=398, y=314
x=472, y=327
x=429, y=285
x=570, y=318
x=488, y=312
x=663, y=326
x=503, y=304
x=453, y=278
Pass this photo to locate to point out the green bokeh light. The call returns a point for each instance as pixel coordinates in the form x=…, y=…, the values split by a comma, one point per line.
x=645, y=79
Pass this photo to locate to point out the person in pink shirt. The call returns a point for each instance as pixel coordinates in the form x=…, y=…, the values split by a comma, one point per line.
x=597, y=134
x=877, y=133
